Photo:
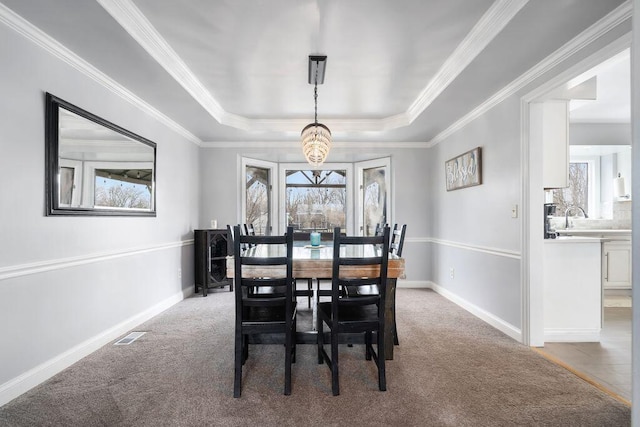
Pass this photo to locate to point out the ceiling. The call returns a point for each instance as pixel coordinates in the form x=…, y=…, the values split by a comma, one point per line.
x=236, y=70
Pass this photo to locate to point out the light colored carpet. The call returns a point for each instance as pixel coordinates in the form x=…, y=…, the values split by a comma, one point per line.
x=450, y=369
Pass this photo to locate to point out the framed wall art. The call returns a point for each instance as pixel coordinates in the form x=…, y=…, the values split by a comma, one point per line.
x=464, y=170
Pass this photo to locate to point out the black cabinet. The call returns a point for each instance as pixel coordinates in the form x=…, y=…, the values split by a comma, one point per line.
x=211, y=249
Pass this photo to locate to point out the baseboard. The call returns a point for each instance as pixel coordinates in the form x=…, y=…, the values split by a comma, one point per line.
x=572, y=335
x=422, y=284
x=26, y=381
x=483, y=315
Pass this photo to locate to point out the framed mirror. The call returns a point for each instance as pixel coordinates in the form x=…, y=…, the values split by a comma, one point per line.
x=94, y=167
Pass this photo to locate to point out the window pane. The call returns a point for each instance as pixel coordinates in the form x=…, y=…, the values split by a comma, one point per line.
x=117, y=188
x=66, y=185
x=375, y=199
x=316, y=199
x=577, y=194
x=258, y=199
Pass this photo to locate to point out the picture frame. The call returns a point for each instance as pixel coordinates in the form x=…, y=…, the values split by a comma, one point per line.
x=464, y=170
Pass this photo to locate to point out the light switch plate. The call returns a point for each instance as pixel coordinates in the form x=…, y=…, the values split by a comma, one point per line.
x=514, y=211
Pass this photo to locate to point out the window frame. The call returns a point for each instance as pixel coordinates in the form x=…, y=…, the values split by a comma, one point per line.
x=384, y=162
x=593, y=190
x=273, y=185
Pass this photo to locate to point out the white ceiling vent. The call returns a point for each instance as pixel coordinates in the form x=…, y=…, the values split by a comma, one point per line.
x=129, y=338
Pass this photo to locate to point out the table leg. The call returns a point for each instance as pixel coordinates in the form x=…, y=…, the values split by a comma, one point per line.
x=389, y=321
x=314, y=305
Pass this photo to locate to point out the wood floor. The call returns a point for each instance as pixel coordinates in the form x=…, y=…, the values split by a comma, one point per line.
x=607, y=363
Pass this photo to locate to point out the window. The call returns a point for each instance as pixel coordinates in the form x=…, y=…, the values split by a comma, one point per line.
x=118, y=185
x=346, y=195
x=258, y=199
x=373, y=199
x=116, y=188
x=577, y=194
x=316, y=200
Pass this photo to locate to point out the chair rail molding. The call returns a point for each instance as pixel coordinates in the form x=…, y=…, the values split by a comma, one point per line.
x=477, y=248
x=62, y=263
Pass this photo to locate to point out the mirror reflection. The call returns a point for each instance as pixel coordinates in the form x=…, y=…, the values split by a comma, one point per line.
x=97, y=168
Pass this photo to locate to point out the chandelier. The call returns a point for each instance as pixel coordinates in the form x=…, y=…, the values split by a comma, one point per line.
x=316, y=137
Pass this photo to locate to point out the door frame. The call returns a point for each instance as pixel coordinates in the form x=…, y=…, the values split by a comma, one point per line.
x=532, y=242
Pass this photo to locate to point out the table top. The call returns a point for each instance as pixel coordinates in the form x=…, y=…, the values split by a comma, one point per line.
x=318, y=262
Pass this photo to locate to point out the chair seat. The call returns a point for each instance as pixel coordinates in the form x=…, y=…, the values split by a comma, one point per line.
x=271, y=315
x=352, y=291
x=351, y=313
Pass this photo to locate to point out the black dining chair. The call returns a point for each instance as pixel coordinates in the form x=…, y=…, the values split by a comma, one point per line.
x=379, y=228
x=397, y=239
x=395, y=248
x=363, y=314
x=264, y=305
x=249, y=230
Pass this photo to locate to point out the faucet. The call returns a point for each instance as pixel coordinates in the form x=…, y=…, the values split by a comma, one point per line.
x=566, y=214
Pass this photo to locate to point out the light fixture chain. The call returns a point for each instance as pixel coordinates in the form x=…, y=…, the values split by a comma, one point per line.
x=315, y=97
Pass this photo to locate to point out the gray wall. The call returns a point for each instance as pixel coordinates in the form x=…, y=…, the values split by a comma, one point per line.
x=472, y=228
x=600, y=134
x=68, y=283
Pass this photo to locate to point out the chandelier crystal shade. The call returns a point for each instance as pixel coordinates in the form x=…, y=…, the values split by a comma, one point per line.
x=316, y=137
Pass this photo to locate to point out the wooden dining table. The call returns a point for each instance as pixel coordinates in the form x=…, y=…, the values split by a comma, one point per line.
x=317, y=263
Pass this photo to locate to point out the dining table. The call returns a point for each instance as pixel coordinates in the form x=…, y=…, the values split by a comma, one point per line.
x=316, y=262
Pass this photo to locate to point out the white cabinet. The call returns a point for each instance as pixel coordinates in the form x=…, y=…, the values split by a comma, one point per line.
x=616, y=264
x=572, y=307
x=550, y=124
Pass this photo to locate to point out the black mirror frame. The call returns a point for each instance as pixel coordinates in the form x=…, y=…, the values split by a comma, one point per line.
x=52, y=162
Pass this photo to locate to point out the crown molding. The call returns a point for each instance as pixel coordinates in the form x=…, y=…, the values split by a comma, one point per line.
x=138, y=26
x=486, y=29
x=600, y=28
x=336, y=145
x=59, y=51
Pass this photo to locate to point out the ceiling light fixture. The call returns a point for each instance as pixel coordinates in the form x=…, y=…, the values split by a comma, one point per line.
x=316, y=137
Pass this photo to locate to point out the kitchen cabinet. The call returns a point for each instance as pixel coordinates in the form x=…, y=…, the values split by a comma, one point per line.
x=572, y=289
x=550, y=119
x=616, y=264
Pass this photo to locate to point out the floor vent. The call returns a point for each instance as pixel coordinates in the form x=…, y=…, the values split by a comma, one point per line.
x=129, y=338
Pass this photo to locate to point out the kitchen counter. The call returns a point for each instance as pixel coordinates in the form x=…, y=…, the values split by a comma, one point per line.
x=575, y=239
x=602, y=232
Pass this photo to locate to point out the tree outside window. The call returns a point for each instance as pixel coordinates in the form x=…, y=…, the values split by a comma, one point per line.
x=257, y=203
x=315, y=200
x=577, y=194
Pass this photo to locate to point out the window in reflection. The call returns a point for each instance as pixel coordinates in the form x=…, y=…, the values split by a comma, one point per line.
x=129, y=189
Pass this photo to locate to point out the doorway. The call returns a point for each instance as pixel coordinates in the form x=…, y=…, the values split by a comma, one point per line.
x=607, y=362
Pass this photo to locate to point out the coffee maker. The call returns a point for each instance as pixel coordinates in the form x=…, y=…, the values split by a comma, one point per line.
x=549, y=211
